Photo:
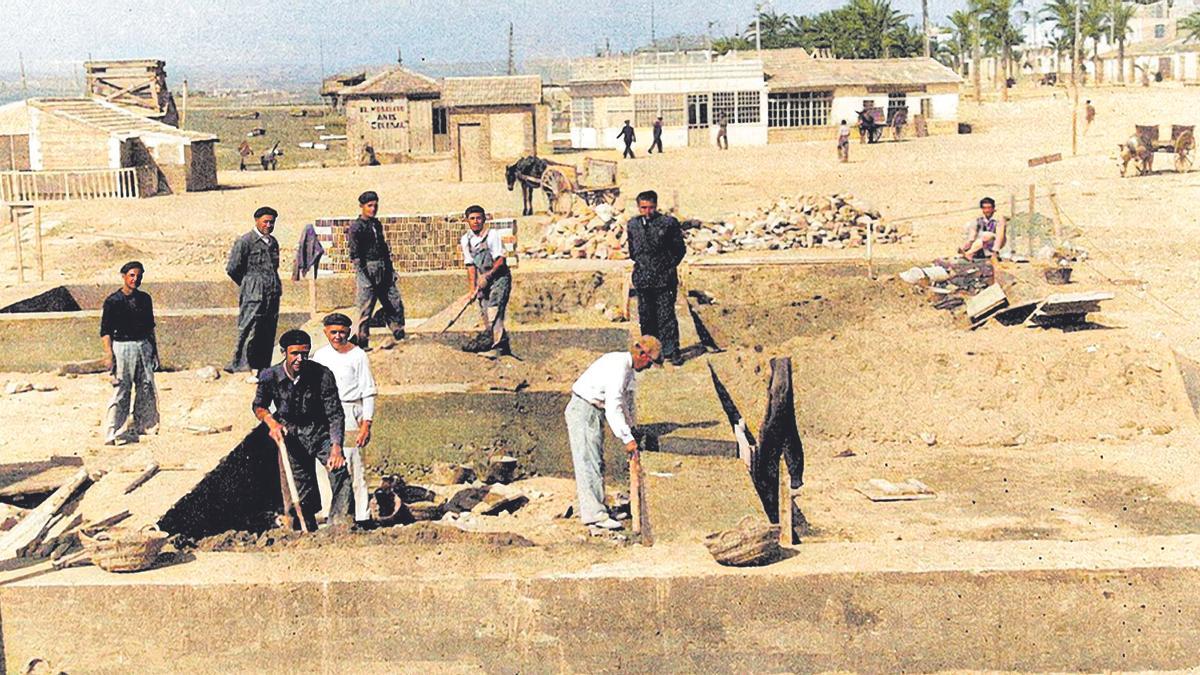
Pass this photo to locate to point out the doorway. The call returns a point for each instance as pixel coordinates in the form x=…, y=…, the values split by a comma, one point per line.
x=471, y=153
x=697, y=111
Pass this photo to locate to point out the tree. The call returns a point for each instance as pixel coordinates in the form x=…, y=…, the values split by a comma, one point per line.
x=1001, y=26
x=1060, y=14
x=1094, y=26
x=1120, y=16
x=962, y=32
x=775, y=29
x=1190, y=26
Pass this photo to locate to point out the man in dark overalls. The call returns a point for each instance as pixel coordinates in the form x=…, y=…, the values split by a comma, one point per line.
x=375, y=277
x=656, y=247
x=254, y=266
x=488, y=276
x=627, y=135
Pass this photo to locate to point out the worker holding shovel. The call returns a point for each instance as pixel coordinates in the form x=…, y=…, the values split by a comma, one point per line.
x=298, y=401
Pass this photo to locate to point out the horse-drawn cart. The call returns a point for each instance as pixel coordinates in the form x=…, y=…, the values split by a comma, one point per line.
x=1140, y=148
x=596, y=183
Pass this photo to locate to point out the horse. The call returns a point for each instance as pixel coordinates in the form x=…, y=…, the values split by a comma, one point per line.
x=1136, y=150
x=527, y=170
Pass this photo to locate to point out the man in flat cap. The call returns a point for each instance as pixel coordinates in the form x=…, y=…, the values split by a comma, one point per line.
x=376, y=278
x=488, y=276
x=298, y=401
x=130, y=354
x=356, y=388
x=254, y=266
x=605, y=391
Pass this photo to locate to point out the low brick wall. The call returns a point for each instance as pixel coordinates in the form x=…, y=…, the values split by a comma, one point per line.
x=419, y=243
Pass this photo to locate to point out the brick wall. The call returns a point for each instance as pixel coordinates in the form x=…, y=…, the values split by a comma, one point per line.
x=419, y=243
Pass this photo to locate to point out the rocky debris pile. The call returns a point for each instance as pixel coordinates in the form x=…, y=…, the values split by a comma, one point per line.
x=804, y=221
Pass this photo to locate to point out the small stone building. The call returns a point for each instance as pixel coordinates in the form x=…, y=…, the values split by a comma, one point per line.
x=491, y=122
x=79, y=134
x=392, y=114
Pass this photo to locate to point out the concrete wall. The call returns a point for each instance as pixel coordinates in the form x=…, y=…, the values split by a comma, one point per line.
x=497, y=136
x=202, y=166
x=847, y=101
x=217, y=614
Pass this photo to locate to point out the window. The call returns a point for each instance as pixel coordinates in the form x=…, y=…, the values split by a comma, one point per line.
x=582, y=110
x=723, y=107
x=896, y=101
x=1160, y=30
x=748, y=111
x=648, y=107
x=697, y=111
x=439, y=121
x=799, y=109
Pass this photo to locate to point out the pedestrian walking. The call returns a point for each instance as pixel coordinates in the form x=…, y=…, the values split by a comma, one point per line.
x=627, y=135
x=657, y=143
x=722, y=132
x=843, y=142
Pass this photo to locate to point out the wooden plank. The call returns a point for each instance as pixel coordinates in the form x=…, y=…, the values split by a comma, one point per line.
x=37, y=241
x=441, y=322
x=988, y=299
x=43, y=481
x=880, y=490
x=638, y=511
x=35, y=523
x=16, y=223
x=146, y=474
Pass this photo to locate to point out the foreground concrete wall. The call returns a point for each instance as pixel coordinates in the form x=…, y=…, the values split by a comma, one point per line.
x=757, y=621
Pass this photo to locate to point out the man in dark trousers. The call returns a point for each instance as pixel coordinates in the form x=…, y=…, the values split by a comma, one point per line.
x=298, y=401
x=626, y=134
x=657, y=137
x=130, y=355
x=656, y=247
x=254, y=266
x=375, y=277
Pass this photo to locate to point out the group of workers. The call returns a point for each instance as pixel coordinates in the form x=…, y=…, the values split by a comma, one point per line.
x=320, y=408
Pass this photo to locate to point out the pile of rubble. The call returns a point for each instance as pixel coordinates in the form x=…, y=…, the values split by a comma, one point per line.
x=806, y=221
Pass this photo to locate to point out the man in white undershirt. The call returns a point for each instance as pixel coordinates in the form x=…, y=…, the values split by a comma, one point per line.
x=356, y=388
x=605, y=391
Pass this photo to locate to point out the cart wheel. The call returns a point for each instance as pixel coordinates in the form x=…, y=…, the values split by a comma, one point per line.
x=552, y=183
x=1185, y=149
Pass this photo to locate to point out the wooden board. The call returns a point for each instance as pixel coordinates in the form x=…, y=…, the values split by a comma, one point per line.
x=988, y=299
x=42, y=481
x=440, y=322
x=880, y=490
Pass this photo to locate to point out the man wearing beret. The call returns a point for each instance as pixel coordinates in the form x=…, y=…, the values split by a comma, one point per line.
x=375, y=277
x=356, y=388
x=254, y=266
x=298, y=401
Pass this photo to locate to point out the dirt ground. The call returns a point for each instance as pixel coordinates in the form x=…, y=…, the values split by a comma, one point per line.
x=1037, y=434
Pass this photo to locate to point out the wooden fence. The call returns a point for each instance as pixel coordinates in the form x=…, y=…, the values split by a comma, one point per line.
x=41, y=186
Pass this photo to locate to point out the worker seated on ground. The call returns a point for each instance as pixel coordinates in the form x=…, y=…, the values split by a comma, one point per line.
x=984, y=235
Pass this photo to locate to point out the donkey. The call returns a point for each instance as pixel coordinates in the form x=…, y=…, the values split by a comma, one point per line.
x=1136, y=150
x=527, y=170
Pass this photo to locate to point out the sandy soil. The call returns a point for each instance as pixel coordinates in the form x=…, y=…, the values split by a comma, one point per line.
x=1039, y=433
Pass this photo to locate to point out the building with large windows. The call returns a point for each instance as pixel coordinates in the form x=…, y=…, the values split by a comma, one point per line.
x=775, y=95
x=807, y=97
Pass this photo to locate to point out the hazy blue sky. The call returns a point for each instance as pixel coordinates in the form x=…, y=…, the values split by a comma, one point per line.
x=58, y=34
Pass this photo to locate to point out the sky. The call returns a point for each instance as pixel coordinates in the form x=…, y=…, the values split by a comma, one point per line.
x=54, y=36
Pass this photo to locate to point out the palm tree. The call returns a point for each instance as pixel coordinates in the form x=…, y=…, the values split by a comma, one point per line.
x=1060, y=14
x=1190, y=25
x=961, y=27
x=1001, y=21
x=1121, y=15
x=774, y=27
x=1094, y=26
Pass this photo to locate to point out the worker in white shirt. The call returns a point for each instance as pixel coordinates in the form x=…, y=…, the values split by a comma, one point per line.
x=488, y=276
x=604, y=391
x=356, y=388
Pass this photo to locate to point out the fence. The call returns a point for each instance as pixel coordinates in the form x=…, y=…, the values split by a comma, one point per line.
x=40, y=186
x=14, y=214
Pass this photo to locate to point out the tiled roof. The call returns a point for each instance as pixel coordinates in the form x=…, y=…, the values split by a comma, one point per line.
x=506, y=90
x=335, y=83
x=794, y=68
x=111, y=118
x=1163, y=46
x=396, y=81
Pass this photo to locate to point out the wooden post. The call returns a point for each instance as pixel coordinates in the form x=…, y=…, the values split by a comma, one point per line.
x=16, y=221
x=787, y=521
x=183, y=110
x=37, y=242
x=871, y=250
x=1057, y=216
x=1032, y=200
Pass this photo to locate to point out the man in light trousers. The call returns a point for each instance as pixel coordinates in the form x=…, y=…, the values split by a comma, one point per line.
x=130, y=355
x=605, y=391
x=356, y=387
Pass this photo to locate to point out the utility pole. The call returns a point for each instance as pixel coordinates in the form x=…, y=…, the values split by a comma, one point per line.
x=653, y=37
x=925, y=25
x=1075, y=82
x=399, y=57
x=512, y=65
x=183, y=111
x=757, y=27
x=976, y=55
x=24, y=86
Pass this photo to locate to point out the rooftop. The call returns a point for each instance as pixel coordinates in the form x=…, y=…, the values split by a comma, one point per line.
x=795, y=68
x=111, y=118
x=395, y=81
x=504, y=90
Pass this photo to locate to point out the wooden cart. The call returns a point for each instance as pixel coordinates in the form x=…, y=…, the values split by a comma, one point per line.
x=1182, y=145
x=595, y=183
